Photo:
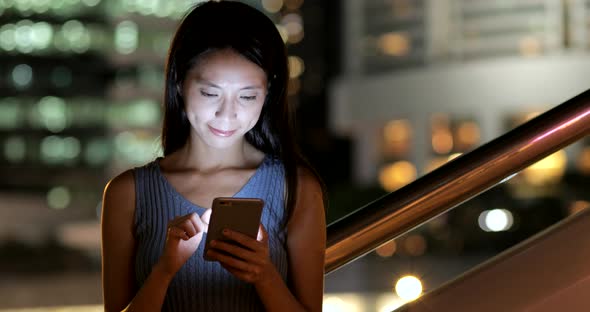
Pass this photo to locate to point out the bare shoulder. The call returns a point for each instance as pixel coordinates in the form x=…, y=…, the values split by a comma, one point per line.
x=119, y=194
x=310, y=196
x=307, y=182
x=121, y=185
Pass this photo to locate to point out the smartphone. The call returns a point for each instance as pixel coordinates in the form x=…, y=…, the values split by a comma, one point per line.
x=237, y=214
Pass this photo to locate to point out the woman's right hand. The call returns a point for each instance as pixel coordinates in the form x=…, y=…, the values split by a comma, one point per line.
x=182, y=239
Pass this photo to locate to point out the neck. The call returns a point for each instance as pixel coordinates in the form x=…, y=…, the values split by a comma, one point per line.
x=195, y=154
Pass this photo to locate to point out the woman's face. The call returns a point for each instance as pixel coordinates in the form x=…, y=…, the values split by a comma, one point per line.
x=223, y=94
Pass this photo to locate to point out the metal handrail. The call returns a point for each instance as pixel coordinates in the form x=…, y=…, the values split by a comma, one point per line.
x=457, y=181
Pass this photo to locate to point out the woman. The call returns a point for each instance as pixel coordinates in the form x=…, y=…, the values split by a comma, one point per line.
x=227, y=131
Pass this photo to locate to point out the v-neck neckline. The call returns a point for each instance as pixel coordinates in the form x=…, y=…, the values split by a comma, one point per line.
x=177, y=194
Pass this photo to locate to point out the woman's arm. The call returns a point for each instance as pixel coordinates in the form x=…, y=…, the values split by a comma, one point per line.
x=118, y=243
x=306, y=244
x=118, y=251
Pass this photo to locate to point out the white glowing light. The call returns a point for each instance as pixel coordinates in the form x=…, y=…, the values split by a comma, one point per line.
x=42, y=35
x=23, y=36
x=408, y=288
x=495, y=220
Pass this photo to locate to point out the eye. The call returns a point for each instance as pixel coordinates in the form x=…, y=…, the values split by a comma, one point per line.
x=248, y=97
x=207, y=94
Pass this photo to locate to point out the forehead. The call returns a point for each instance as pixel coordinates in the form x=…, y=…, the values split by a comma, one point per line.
x=227, y=66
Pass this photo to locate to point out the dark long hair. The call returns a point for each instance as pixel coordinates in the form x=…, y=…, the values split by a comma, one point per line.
x=211, y=26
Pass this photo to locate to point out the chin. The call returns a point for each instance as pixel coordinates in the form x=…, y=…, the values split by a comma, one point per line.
x=222, y=143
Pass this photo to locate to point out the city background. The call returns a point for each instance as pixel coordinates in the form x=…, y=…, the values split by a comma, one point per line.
x=385, y=90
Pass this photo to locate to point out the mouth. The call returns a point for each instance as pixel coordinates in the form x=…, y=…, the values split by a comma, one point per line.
x=221, y=133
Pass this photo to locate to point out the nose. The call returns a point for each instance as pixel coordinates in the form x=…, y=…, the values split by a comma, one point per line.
x=226, y=110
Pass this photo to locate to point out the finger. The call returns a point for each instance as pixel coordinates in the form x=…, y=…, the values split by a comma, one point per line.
x=175, y=221
x=206, y=217
x=228, y=260
x=236, y=251
x=262, y=234
x=180, y=219
x=189, y=227
x=178, y=233
x=196, y=222
x=242, y=239
x=242, y=275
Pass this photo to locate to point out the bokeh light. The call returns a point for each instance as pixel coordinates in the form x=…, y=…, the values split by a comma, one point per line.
x=293, y=24
x=394, y=44
x=396, y=175
x=468, y=135
x=272, y=6
x=397, y=136
x=22, y=76
x=408, y=288
x=495, y=220
x=387, y=250
x=548, y=170
x=415, y=245
x=296, y=66
x=126, y=37
x=58, y=197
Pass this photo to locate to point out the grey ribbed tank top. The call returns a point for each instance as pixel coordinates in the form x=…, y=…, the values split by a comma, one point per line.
x=202, y=285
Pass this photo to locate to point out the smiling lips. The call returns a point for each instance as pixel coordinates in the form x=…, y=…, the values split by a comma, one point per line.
x=221, y=133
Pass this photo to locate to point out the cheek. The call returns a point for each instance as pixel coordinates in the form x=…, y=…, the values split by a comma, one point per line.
x=253, y=116
x=199, y=110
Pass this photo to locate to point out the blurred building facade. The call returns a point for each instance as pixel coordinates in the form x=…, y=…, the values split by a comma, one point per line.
x=79, y=102
x=424, y=80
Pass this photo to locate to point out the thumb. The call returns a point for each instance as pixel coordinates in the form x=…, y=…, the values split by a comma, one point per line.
x=262, y=234
x=206, y=217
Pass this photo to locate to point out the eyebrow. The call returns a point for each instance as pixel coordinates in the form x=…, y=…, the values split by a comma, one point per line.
x=211, y=84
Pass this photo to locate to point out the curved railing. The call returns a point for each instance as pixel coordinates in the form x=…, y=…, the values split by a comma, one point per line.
x=457, y=181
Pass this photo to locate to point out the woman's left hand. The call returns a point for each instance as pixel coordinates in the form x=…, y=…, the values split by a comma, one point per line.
x=249, y=262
